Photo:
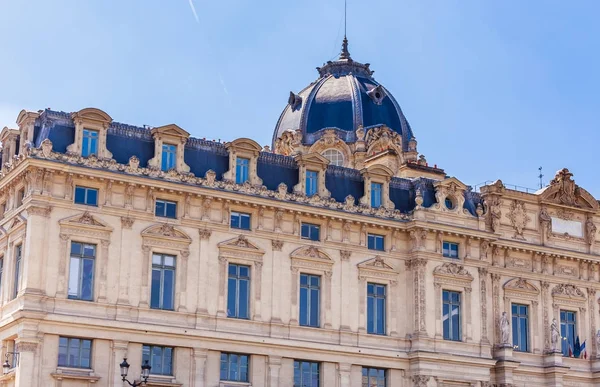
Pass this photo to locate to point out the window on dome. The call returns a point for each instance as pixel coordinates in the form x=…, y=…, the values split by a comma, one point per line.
x=334, y=156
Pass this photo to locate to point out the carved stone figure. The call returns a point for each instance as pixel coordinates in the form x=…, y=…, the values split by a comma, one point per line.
x=590, y=231
x=380, y=139
x=567, y=188
x=494, y=212
x=504, y=329
x=545, y=220
x=284, y=145
x=554, y=335
x=485, y=246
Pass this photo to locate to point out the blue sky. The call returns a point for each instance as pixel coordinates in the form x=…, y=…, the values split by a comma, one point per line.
x=492, y=89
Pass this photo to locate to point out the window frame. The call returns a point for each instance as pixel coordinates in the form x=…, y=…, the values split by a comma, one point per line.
x=242, y=170
x=449, y=253
x=170, y=162
x=369, y=369
x=85, y=135
x=368, y=313
x=515, y=321
x=150, y=357
x=82, y=257
x=237, y=278
x=86, y=190
x=376, y=194
x=82, y=340
x=309, y=287
x=240, y=215
x=298, y=366
x=337, y=153
x=165, y=212
x=375, y=238
x=239, y=367
x=310, y=227
x=311, y=183
x=449, y=336
x=565, y=344
x=163, y=267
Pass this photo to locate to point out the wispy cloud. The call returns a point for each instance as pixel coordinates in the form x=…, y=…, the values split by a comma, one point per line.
x=223, y=84
x=194, y=11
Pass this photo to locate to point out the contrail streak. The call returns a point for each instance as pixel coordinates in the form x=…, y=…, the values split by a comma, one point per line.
x=194, y=11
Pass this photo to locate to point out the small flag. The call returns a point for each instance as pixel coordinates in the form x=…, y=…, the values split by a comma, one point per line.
x=584, y=350
x=570, y=352
x=577, y=348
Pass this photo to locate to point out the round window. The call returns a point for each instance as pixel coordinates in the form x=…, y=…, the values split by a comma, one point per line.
x=449, y=203
x=334, y=156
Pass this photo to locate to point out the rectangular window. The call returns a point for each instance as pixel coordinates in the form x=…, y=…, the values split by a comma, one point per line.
x=242, y=167
x=20, y=197
x=376, y=189
x=568, y=331
x=306, y=374
x=376, y=242
x=169, y=157
x=81, y=271
x=89, y=145
x=312, y=183
x=74, y=352
x=310, y=289
x=240, y=220
x=18, y=254
x=311, y=232
x=449, y=249
x=373, y=377
x=163, y=282
x=234, y=367
x=87, y=196
x=451, y=315
x=159, y=358
x=238, y=291
x=165, y=208
x=376, y=295
x=520, y=327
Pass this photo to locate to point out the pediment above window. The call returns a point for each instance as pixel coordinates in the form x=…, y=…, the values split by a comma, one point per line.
x=450, y=195
x=521, y=288
x=311, y=257
x=563, y=190
x=244, y=145
x=568, y=294
x=166, y=235
x=377, y=268
x=170, y=130
x=93, y=115
x=240, y=247
x=85, y=224
x=453, y=274
x=17, y=222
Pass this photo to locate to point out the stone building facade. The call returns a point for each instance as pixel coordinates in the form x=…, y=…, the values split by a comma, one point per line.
x=337, y=257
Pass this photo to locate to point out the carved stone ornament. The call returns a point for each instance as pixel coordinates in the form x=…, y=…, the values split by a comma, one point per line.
x=454, y=270
x=563, y=190
x=590, y=231
x=277, y=245
x=382, y=138
x=85, y=224
x=521, y=288
x=518, y=218
x=310, y=252
x=40, y=211
x=311, y=257
x=545, y=220
x=493, y=211
x=452, y=189
x=377, y=268
x=127, y=222
x=288, y=141
x=420, y=380
x=568, y=291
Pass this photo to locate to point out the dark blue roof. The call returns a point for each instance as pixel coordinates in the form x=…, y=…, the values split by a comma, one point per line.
x=125, y=141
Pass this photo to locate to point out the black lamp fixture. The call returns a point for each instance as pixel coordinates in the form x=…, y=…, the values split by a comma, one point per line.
x=6, y=367
x=144, y=376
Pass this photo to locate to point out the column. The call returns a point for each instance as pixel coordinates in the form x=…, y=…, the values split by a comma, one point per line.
x=276, y=278
x=222, y=284
x=61, y=286
x=345, y=263
x=483, y=302
x=183, y=274
x=124, y=262
x=362, y=292
x=257, y=283
x=25, y=372
x=119, y=351
x=34, y=251
x=546, y=318
x=199, y=367
x=535, y=324
x=438, y=310
x=592, y=306
x=394, y=308
x=102, y=263
x=294, y=295
x=327, y=295
x=344, y=374
x=274, y=364
x=202, y=307
x=496, y=305
x=469, y=337
x=146, y=262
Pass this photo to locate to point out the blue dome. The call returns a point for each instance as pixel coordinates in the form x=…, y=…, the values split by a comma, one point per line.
x=345, y=97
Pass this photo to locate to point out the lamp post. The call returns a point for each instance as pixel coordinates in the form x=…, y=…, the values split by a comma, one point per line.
x=144, y=376
x=6, y=367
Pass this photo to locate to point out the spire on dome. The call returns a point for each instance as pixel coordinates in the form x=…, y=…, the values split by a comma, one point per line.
x=345, y=54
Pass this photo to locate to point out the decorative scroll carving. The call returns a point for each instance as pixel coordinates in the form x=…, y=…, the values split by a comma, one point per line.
x=378, y=268
x=453, y=269
x=277, y=245
x=518, y=218
x=568, y=291
x=204, y=233
x=127, y=222
x=85, y=224
x=563, y=190
x=420, y=380
x=345, y=255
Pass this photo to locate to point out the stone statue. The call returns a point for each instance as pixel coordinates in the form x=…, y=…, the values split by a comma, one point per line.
x=590, y=231
x=554, y=335
x=504, y=329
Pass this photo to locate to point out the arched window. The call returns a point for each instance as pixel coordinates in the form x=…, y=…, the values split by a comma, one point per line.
x=334, y=156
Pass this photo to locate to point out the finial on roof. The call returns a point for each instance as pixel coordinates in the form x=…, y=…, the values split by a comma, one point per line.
x=345, y=54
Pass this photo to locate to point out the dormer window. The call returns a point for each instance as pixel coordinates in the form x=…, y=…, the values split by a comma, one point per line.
x=242, y=166
x=376, y=189
x=312, y=183
x=89, y=143
x=334, y=156
x=169, y=157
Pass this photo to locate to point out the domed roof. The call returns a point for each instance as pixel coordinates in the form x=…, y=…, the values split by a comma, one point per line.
x=344, y=97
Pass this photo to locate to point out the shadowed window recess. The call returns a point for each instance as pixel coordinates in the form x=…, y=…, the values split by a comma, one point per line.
x=310, y=300
x=159, y=358
x=87, y=196
x=163, y=282
x=238, y=291
x=451, y=318
x=234, y=367
x=376, y=305
x=81, y=271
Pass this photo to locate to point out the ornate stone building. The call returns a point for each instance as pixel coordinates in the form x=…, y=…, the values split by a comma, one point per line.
x=338, y=257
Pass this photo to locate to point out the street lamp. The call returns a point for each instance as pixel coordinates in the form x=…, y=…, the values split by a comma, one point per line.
x=144, y=377
x=6, y=367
